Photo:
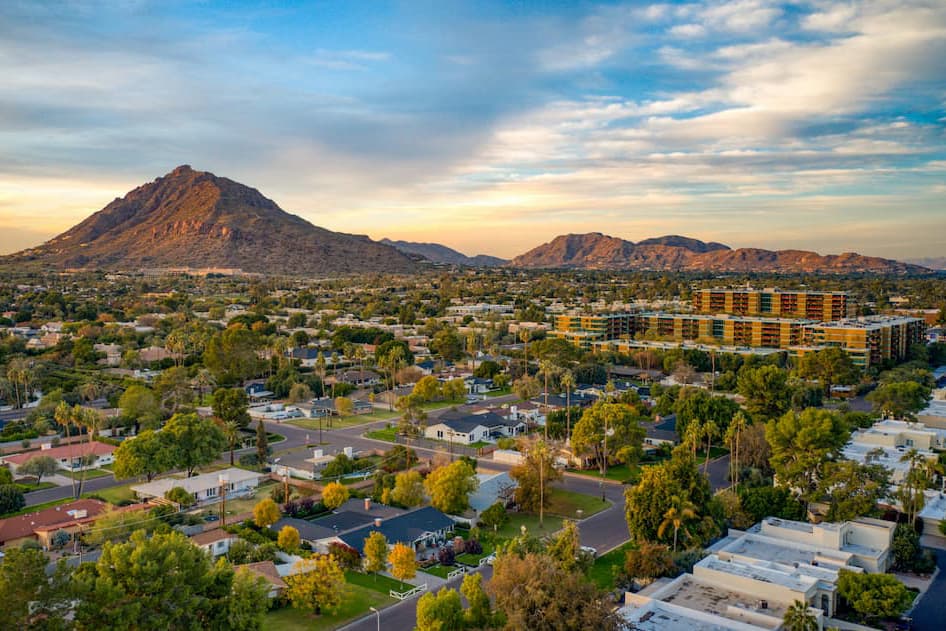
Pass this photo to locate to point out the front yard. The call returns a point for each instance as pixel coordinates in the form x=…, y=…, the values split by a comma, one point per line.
x=606, y=565
x=341, y=423
x=567, y=503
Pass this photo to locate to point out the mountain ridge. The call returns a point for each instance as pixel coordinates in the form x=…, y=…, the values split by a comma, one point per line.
x=439, y=253
x=190, y=218
x=595, y=250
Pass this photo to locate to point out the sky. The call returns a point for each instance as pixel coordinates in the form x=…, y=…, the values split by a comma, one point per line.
x=492, y=127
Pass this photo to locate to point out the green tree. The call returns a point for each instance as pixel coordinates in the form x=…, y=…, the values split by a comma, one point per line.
x=798, y=617
x=526, y=387
x=454, y=390
x=831, y=366
x=249, y=601
x=148, y=454
x=28, y=597
x=649, y=561
x=442, y=611
x=874, y=595
x=495, y=516
x=802, y=443
x=449, y=487
x=533, y=476
x=376, y=553
x=317, y=583
x=180, y=495
x=765, y=389
x=139, y=404
x=197, y=442
x=900, y=399
x=853, y=489
x=564, y=547
x=162, y=582
x=344, y=406
x=447, y=344
x=231, y=354
x=479, y=613
x=680, y=511
x=262, y=443
x=11, y=499
x=606, y=431
x=408, y=489
x=231, y=406
x=427, y=389
x=38, y=466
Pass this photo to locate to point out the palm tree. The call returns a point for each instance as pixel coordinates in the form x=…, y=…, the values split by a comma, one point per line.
x=231, y=430
x=681, y=510
x=733, y=433
x=89, y=391
x=546, y=368
x=710, y=431
x=320, y=367
x=568, y=382
x=693, y=435
x=203, y=379
x=798, y=617
x=525, y=335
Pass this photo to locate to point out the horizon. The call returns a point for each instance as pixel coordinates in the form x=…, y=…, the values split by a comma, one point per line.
x=492, y=128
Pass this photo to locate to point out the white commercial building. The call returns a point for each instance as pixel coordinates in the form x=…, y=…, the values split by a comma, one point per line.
x=888, y=441
x=753, y=577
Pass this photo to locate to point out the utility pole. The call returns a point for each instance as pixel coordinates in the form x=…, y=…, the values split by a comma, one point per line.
x=285, y=479
x=224, y=481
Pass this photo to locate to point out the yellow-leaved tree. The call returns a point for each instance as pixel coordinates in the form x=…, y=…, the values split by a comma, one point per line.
x=288, y=540
x=376, y=553
x=403, y=562
x=265, y=513
x=318, y=583
x=334, y=495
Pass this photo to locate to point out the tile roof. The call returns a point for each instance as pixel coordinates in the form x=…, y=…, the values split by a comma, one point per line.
x=63, y=451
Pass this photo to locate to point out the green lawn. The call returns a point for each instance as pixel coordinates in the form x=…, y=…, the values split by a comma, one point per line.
x=602, y=572
x=115, y=494
x=348, y=421
x=379, y=582
x=90, y=474
x=566, y=503
x=354, y=605
x=617, y=473
x=388, y=433
x=499, y=393
x=437, y=570
x=531, y=522
x=29, y=488
x=474, y=559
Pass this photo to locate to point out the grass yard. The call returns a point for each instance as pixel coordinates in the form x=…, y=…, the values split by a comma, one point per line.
x=245, y=505
x=379, y=582
x=388, y=434
x=115, y=494
x=341, y=423
x=474, y=559
x=566, y=503
x=513, y=527
x=617, y=473
x=354, y=605
x=602, y=572
x=29, y=488
x=499, y=393
x=437, y=570
x=90, y=474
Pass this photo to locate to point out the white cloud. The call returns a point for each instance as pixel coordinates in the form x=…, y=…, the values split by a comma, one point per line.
x=688, y=30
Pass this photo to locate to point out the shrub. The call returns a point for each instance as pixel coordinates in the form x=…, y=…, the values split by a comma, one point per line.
x=445, y=556
x=346, y=556
x=473, y=546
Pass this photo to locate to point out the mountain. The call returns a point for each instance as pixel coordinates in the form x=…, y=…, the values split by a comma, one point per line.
x=437, y=253
x=675, y=253
x=195, y=219
x=937, y=263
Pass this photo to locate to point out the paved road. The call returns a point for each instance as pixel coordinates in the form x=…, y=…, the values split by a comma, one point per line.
x=930, y=612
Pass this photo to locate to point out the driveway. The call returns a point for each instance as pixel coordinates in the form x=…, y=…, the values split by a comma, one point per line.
x=930, y=612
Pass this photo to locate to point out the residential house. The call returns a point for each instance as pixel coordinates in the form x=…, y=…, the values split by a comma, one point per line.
x=216, y=541
x=154, y=354
x=41, y=525
x=493, y=487
x=112, y=352
x=472, y=428
x=663, y=430
x=751, y=578
x=359, y=378
x=71, y=457
x=353, y=514
x=478, y=385
x=421, y=528
x=267, y=570
x=205, y=488
x=257, y=391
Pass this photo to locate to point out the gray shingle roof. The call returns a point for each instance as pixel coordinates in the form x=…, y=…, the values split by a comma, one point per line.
x=404, y=528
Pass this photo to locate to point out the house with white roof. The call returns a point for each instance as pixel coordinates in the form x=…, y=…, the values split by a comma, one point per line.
x=753, y=577
x=206, y=487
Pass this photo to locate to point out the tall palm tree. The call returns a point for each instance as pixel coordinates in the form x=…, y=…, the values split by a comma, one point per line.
x=231, y=430
x=733, y=434
x=680, y=512
x=204, y=379
x=546, y=368
x=693, y=435
x=320, y=367
x=568, y=382
x=798, y=617
x=525, y=335
x=710, y=431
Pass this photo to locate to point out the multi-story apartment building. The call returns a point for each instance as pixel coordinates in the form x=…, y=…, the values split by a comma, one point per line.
x=869, y=341
x=723, y=329
x=821, y=306
x=585, y=329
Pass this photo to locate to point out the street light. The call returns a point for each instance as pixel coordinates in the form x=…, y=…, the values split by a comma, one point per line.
x=378, y=614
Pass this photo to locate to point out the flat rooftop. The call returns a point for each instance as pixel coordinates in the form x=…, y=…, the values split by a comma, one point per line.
x=763, y=573
x=658, y=616
x=692, y=593
x=767, y=549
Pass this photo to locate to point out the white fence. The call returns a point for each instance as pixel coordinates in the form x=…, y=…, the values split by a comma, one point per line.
x=460, y=571
x=409, y=593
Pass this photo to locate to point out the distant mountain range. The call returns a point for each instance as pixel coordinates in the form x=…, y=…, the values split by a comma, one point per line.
x=938, y=263
x=195, y=219
x=437, y=253
x=675, y=253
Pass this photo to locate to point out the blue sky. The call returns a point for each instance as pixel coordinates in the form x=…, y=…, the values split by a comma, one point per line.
x=492, y=127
